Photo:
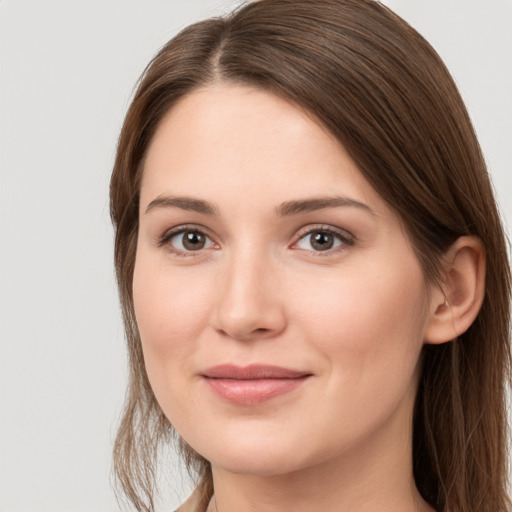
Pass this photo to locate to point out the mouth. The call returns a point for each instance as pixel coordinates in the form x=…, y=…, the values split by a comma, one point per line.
x=254, y=384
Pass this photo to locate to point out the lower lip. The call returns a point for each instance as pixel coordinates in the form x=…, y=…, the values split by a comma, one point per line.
x=252, y=391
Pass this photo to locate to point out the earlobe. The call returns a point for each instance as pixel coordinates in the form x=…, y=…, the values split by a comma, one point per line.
x=455, y=305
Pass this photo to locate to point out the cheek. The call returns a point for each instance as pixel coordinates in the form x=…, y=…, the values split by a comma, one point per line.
x=367, y=328
x=369, y=322
x=170, y=310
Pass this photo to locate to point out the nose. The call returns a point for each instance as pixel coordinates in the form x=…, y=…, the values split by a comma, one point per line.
x=250, y=304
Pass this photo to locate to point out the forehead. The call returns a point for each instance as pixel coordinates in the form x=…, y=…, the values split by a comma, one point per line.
x=229, y=139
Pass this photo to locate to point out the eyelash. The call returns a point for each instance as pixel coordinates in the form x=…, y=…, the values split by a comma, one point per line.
x=169, y=235
x=345, y=238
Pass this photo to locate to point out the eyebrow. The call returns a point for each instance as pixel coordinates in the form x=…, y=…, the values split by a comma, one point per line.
x=184, y=203
x=319, y=203
x=285, y=209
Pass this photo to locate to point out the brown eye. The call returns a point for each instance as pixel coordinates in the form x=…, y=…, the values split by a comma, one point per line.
x=188, y=240
x=321, y=241
x=193, y=240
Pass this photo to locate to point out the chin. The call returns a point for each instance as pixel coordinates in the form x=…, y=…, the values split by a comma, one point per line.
x=260, y=454
x=257, y=462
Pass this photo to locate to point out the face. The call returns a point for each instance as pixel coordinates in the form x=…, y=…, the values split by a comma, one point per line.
x=278, y=299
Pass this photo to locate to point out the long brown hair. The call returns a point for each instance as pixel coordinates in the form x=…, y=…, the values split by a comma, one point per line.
x=385, y=94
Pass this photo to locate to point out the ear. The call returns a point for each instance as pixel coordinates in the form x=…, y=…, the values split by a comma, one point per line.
x=456, y=303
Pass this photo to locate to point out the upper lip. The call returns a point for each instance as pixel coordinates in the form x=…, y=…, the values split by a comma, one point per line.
x=252, y=372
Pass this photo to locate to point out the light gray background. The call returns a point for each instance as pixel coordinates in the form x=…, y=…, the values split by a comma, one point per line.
x=67, y=69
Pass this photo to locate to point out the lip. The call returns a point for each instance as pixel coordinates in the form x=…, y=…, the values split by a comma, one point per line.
x=253, y=384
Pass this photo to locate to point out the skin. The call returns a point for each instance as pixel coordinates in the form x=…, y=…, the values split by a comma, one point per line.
x=354, y=317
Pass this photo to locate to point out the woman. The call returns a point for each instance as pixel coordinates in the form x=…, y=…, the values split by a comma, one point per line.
x=312, y=269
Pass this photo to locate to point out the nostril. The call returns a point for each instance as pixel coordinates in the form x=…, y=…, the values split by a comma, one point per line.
x=247, y=334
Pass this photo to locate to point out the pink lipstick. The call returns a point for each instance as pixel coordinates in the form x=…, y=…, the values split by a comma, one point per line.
x=254, y=384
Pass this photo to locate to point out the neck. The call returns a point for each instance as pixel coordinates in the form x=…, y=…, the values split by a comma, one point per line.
x=330, y=492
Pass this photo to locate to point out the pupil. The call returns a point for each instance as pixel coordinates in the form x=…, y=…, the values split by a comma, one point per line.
x=193, y=240
x=322, y=241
